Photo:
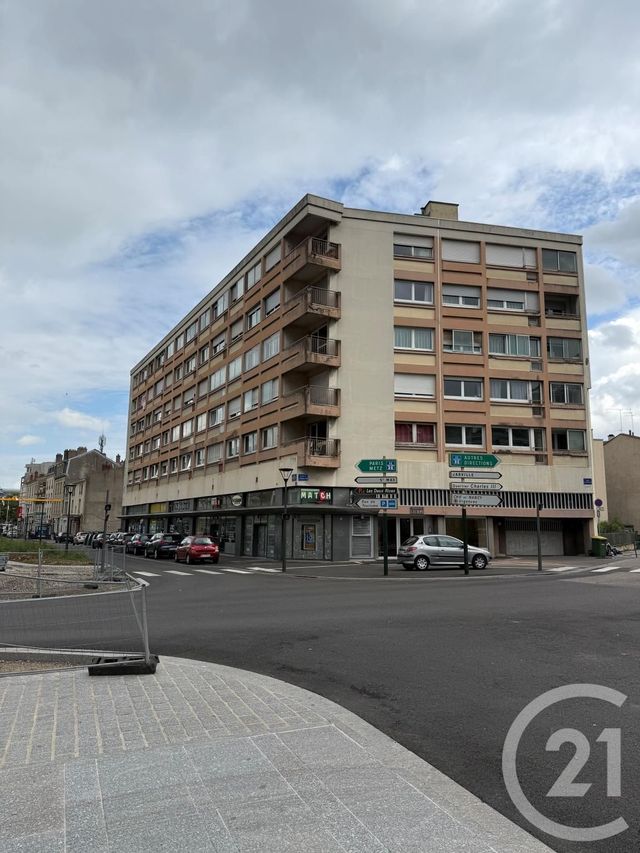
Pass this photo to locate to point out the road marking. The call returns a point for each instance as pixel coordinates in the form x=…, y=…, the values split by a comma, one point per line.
x=207, y=572
x=634, y=571
x=238, y=571
x=605, y=569
x=147, y=574
x=563, y=568
x=262, y=569
x=176, y=572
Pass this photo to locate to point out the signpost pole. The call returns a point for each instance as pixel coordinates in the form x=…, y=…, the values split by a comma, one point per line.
x=465, y=540
x=385, y=534
x=538, y=538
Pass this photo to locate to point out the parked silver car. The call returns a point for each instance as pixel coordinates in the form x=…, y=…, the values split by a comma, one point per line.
x=420, y=552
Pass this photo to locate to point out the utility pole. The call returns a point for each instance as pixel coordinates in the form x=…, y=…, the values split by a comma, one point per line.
x=107, y=510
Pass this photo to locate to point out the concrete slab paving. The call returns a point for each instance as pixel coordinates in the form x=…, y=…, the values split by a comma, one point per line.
x=202, y=757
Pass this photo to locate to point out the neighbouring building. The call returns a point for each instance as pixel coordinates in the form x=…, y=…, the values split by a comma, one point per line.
x=71, y=491
x=351, y=334
x=621, y=462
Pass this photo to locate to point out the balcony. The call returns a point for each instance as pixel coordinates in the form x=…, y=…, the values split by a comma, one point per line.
x=310, y=304
x=311, y=400
x=311, y=258
x=311, y=354
x=316, y=452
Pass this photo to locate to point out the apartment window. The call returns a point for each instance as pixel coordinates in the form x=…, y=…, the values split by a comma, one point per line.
x=464, y=435
x=216, y=416
x=168, y=380
x=269, y=391
x=237, y=329
x=461, y=295
x=253, y=276
x=500, y=299
x=463, y=389
x=236, y=290
x=235, y=368
x=271, y=347
x=164, y=469
x=185, y=461
x=203, y=388
x=175, y=433
x=408, y=433
x=251, y=400
x=187, y=429
x=234, y=407
x=516, y=390
x=517, y=438
x=167, y=408
x=557, y=261
x=413, y=385
x=171, y=348
x=515, y=345
x=253, y=317
x=192, y=331
x=205, y=319
x=145, y=473
x=165, y=437
x=190, y=365
x=419, y=292
x=412, y=246
x=199, y=458
x=461, y=251
x=511, y=256
x=201, y=422
x=233, y=447
x=173, y=465
x=214, y=452
x=203, y=355
x=269, y=437
x=272, y=302
x=157, y=416
x=458, y=340
x=406, y=337
x=219, y=343
x=157, y=388
x=153, y=471
x=147, y=445
x=220, y=305
x=150, y=394
x=250, y=442
x=218, y=378
x=568, y=393
x=272, y=258
x=189, y=396
x=177, y=373
x=564, y=348
x=252, y=358
x=155, y=442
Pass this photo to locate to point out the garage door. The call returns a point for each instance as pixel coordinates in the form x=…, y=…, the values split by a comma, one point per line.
x=521, y=537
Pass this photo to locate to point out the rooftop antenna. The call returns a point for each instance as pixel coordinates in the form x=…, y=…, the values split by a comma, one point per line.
x=102, y=440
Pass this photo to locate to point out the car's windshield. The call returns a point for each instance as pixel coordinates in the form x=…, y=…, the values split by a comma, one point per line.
x=202, y=540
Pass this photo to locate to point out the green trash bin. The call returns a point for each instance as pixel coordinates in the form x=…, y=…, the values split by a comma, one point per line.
x=599, y=546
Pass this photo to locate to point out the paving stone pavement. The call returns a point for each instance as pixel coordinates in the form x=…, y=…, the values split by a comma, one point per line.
x=202, y=757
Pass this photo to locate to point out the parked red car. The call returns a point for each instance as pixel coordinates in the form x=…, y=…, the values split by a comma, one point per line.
x=196, y=549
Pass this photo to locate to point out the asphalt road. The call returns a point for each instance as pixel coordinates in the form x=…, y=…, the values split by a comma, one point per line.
x=442, y=665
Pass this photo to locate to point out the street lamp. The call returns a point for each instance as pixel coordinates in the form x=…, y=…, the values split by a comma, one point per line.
x=285, y=473
x=69, y=489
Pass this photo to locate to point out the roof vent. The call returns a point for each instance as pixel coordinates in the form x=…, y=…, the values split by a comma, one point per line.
x=440, y=210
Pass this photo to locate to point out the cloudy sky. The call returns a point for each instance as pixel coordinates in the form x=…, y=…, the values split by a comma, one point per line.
x=146, y=145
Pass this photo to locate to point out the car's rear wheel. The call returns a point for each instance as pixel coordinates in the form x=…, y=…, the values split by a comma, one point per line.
x=479, y=562
x=188, y=560
x=421, y=563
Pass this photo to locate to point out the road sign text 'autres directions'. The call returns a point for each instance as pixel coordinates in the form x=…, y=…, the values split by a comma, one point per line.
x=473, y=460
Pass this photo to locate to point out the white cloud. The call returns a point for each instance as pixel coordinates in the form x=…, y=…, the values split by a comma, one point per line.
x=78, y=420
x=132, y=143
x=28, y=440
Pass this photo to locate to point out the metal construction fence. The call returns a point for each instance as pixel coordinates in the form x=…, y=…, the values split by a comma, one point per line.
x=85, y=611
x=624, y=539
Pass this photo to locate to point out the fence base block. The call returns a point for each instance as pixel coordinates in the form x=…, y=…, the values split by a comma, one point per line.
x=123, y=666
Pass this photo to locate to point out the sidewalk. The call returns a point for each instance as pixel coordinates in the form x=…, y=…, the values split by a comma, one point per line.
x=202, y=757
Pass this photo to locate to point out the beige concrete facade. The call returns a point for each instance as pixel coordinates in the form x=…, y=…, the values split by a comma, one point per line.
x=401, y=336
x=621, y=464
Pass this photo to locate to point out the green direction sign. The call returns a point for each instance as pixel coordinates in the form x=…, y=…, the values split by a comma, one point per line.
x=377, y=466
x=473, y=460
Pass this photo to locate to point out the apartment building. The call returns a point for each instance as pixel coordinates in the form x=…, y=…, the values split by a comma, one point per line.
x=348, y=334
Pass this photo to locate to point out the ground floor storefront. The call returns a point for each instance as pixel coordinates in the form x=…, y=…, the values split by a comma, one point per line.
x=327, y=524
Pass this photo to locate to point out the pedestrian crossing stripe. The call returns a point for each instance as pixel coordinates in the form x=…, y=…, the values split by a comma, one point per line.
x=176, y=572
x=239, y=571
x=605, y=569
x=207, y=572
x=147, y=574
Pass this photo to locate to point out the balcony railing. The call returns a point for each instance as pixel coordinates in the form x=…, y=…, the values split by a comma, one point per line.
x=317, y=447
x=309, y=255
x=314, y=297
x=312, y=400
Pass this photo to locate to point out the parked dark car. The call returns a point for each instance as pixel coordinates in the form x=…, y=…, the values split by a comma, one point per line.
x=65, y=537
x=197, y=549
x=136, y=544
x=162, y=545
x=88, y=539
x=97, y=540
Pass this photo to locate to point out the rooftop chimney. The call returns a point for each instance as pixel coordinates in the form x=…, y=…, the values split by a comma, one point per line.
x=440, y=210
x=610, y=436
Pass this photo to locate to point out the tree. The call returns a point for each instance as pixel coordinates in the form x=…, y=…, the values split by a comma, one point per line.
x=9, y=508
x=611, y=526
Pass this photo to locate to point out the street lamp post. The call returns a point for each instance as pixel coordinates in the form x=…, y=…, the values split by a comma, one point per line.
x=285, y=473
x=69, y=489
